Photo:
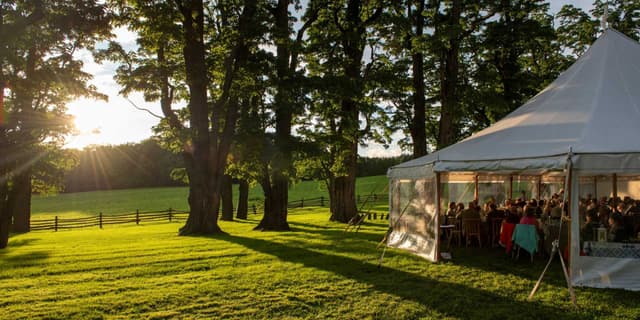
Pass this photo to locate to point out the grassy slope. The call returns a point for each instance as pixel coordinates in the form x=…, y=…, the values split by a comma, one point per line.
x=317, y=271
x=120, y=201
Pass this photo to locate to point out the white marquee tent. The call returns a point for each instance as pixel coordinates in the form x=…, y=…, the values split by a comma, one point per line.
x=584, y=127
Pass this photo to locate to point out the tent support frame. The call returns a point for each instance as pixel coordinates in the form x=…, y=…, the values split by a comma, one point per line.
x=556, y=243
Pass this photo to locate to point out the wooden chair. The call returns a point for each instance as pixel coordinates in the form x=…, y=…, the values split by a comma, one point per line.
x=496, y=225
x=472, y=228
x=456, y=232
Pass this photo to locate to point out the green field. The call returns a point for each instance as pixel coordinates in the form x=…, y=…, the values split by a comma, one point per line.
x=317, y=271
x=73, y=205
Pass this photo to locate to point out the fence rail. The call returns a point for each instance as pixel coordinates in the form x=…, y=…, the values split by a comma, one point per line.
x=101, y=219
x=169, y=215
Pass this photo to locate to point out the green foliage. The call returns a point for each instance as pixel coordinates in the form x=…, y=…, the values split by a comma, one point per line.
x=133, y=165
x=318, y=271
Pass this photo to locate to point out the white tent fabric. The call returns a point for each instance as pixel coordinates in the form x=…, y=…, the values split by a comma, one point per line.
x=593, y=107
x=590, y=115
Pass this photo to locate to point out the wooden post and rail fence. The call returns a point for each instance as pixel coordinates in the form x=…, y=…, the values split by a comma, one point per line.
x=171, y=215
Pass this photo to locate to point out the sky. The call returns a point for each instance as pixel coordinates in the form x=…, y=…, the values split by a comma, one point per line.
x=116, y=121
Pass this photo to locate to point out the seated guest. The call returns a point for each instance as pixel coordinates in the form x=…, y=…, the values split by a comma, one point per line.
x=459, y=208
x=494, y=213
x=451, y=211
x=470, y=212
x=617, y=233
x=556, y=210
x=529, y=217
x=513, y=215
x=591, y=224
x=603, y=213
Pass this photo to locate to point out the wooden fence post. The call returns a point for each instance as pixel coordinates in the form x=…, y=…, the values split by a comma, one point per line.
x=170, y=213
x=55, y=224
x=322, y=201
x=253, y=206
x=100, y=220
x=137, y=216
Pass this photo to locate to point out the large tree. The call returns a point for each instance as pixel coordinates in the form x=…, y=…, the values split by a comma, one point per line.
x=341, y=75
x=38, y=62
x=213, y=42
x=286, y=104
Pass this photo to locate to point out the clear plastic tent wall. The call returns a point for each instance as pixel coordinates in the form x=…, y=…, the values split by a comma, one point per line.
x=598, y=258
x=413, y=215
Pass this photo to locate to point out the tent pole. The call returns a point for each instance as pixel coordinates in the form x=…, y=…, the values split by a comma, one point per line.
x=615, y=189
x=556, y=243
x=539, y=190
x=476, y=190
x=510, y=187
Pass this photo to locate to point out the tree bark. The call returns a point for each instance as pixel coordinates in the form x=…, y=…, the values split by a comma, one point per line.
x=226, y=194
x=5, y=214
x=418, y=123
x=21, y=201
x=243, y=200
x=448, y=130
x=274, y=201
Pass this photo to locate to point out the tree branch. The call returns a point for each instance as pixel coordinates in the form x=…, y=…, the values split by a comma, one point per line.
x=143, y=109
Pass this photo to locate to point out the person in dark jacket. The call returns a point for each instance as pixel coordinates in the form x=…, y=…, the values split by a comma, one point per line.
x=617, y=232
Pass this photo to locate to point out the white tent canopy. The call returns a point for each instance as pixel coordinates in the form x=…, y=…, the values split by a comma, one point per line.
x=589, y=117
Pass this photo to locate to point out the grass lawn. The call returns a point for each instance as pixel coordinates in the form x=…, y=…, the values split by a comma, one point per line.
x=317, y=271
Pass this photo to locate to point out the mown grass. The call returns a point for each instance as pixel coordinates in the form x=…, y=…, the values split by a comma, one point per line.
x=316, y=271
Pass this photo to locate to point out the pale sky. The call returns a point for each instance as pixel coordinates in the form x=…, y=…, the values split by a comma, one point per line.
x=117, y=122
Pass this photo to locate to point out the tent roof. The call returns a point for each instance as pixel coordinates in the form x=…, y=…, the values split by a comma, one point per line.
x=592, y=107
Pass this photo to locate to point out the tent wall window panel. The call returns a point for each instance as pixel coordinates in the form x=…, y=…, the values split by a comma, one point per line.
x=413, y=217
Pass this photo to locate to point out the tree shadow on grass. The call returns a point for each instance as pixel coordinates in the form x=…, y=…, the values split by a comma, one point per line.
x=15, y=243
x=25, y=259
x=452, y=299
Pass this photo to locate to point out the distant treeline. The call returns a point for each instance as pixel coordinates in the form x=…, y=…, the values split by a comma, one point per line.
x=133, y=165
x=146, y=165
x=378, y=166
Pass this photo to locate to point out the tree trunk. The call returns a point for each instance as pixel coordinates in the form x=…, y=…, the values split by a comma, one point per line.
x=275, y=203
x=448, y=130
x=21, y=201
x=204, y=185
x=203, y=206
x=243, y=199
x=343, y=199
x=418, y=126
x=342, y=190
x=275, y=213
x=226, y=194
x=5, y=214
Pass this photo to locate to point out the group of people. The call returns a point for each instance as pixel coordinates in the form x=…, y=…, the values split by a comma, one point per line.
x=619, y=217
x=518, y=211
